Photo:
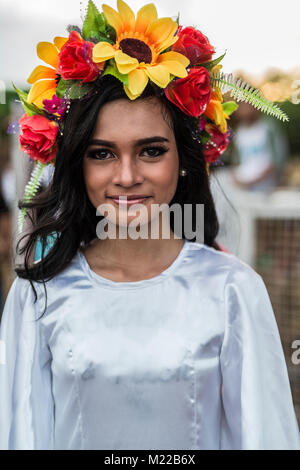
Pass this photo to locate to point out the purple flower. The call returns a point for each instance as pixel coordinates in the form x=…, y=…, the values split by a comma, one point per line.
x=55, y=105
x=202, y=123
x=231, y=134
x=13, y=128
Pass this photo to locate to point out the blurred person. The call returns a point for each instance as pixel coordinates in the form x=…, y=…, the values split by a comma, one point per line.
x=261, y=150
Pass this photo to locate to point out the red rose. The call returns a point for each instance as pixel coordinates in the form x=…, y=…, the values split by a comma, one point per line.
x=217, y=145
x=192, y=93
x=194, y=45
x=38, y=138
x=75, y=59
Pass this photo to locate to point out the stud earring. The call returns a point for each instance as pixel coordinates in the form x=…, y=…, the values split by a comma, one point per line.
x=183, y=172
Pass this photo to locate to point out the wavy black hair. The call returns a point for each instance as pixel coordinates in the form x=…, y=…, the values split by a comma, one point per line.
x=64, y=208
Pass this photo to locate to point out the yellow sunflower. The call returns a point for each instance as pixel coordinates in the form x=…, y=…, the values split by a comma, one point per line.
x=44, y=78
x=138, y=47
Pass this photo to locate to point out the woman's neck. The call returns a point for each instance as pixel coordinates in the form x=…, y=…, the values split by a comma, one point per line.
x=135, y=259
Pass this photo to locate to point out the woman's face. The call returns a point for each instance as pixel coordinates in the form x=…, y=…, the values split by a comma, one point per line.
x=132, y=152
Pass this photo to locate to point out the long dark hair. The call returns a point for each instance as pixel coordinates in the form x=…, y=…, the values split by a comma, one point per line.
x=63, y=208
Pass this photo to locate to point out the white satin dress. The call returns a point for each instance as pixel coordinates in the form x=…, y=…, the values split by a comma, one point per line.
x=189, y=359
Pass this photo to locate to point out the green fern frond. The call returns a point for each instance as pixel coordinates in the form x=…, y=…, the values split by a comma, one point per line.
x=30, y=191
x=242, y=91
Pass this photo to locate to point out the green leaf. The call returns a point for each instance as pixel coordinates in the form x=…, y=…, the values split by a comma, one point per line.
x=103, y=39
x=111, y=69
x=111, y=34
x=93, y=24
x=30, y=109
x=30, y=190
x=22, y=95
x=72, y=89
x=102, y=24
x=61, y=88
x=205, y=137
x=75, y=90
x=212, y=63
x=107, y=30
x=72, y=27
x=241, y=91
x=229, y=107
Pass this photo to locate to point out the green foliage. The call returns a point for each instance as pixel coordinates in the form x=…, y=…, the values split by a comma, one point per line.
x=111, y=69
x=241, y=91
x=93, y=22
x=30, y=109
x=205, y=137
x=111, y=34
x=177, y=19
x=61, y=88
x=96, y=27
x=212, y=63
x=72, y=89
x=72, y=27
x=30, y=191
x=229, y=107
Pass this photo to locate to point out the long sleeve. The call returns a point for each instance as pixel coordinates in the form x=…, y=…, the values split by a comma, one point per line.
x=258, y=410
x=26, y=401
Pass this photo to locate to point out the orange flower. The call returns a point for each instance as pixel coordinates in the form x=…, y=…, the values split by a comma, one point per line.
x=214, y=110
x=44, y=78
x=138, y=47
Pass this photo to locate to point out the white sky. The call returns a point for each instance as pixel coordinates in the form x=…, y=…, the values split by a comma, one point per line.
x=257, y=34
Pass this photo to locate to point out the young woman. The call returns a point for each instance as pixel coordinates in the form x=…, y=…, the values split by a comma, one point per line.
x=137, y=343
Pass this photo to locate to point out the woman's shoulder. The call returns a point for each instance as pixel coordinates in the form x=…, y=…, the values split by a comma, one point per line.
x=19, y=302
x=21, y=288
x=18, y=289
x=215, y=261
x=234, y=281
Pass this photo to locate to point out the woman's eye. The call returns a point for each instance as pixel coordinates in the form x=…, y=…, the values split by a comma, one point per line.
x=155, y=151
x=98, y=154
x=102, y=154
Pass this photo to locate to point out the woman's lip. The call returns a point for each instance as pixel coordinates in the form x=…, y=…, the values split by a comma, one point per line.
x=129, y=202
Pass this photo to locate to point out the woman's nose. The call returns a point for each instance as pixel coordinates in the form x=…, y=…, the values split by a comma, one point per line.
x=127, y=172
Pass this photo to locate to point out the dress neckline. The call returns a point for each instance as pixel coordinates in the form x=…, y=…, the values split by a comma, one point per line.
x=133, y=284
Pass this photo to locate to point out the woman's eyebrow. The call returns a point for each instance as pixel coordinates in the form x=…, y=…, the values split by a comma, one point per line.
x=138, y=142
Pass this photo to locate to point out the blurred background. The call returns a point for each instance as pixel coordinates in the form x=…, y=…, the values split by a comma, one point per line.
x=256, y=190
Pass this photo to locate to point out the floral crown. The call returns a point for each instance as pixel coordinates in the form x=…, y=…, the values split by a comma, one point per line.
x=135, y=50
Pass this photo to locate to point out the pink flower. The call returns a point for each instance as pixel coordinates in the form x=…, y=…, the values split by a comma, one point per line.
x=38, y=138
x=216, y=145
x=75, y=59
x=192, y=93
x=194, y=45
